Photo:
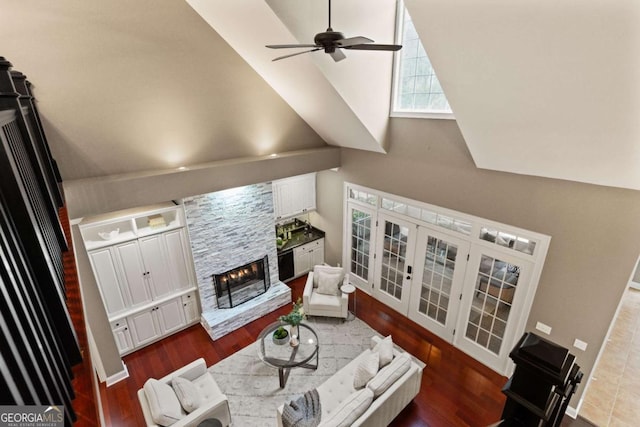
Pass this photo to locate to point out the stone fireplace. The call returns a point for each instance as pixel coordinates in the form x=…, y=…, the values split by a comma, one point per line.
x=242, y=284
x=230, y=229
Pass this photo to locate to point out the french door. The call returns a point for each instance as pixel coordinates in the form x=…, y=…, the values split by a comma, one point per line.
x=394, y=259
x=468, y=280
x=492, y=305
x=362, y=226
x=440, y=265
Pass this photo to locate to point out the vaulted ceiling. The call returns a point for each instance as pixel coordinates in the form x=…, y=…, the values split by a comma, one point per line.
x=540, y=87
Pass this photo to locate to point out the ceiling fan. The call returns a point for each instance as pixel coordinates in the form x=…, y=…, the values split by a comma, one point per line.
x=332, y=42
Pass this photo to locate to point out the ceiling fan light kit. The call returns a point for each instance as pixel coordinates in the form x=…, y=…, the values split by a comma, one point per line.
x=332, y=42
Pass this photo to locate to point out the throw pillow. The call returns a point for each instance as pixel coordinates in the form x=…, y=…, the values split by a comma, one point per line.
x=187, y=394
x=327, y=269
x=385, y=348
x=389, y=374
x=305, y=411
x=329, y=282
x=366, y=369
x=163, y=403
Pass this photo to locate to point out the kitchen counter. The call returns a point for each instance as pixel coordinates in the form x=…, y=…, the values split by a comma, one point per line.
x=301, y=237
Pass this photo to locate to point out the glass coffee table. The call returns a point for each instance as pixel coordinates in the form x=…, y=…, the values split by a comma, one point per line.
x=284, y=356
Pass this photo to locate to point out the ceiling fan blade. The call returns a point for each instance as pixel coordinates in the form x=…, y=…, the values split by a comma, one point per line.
x=287, y=46
x=338, y=55
x=294, y=54
x=374, y=47
x=351, y=41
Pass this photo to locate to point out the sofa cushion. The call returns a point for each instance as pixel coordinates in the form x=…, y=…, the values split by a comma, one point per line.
x=324, y=302
x=385, y=349
x=367, y=369
x=389, y=374
x=187, y=394
x=163, y=402
x=321, y=270
x=349, y=410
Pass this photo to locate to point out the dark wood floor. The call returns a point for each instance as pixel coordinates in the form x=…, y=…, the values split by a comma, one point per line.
x=456, y=389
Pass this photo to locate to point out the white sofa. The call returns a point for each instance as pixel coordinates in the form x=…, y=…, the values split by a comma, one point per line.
x=338, y=394
x=159, y=401
x=319, y=304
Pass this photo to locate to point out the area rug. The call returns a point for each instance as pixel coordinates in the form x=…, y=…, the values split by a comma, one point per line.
x=252, y=387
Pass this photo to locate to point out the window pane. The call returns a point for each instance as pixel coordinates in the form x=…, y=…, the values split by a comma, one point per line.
x=417, y=87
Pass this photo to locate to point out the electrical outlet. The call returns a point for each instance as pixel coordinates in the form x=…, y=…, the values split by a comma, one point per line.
x=543, y=328
x=580, y=345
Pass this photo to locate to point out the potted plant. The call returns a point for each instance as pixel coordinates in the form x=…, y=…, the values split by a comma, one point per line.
x=280, y=336
x=295, y=317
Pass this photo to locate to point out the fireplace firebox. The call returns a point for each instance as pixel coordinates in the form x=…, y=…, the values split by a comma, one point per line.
x=241, y=284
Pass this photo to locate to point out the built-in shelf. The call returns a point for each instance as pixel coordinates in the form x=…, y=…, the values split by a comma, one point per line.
x=131, y=224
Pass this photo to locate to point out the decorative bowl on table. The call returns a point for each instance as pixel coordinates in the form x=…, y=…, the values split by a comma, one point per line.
x=280, y=336
x=110, y=235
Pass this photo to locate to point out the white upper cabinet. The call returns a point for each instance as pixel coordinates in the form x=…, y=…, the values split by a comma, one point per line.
x=293, y=196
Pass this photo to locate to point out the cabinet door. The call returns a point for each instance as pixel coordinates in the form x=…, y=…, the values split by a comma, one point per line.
x=170, y=316
x=305, y=192
x=122, y=336
x=316, y=250
x=156, y=263
x=301, y=260
x=283, y=198
x=144, y=327
x=106, y=275
x=178, y=259
x=133, y=272
x=190, y=306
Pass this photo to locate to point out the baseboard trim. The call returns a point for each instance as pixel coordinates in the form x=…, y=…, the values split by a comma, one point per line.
x=119, y=376
x=572, y=412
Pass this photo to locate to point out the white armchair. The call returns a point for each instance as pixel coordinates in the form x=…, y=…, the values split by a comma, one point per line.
x=322, y=295
x=161, y=405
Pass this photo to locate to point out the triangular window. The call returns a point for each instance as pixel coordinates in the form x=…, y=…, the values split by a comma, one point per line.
x=417, y=91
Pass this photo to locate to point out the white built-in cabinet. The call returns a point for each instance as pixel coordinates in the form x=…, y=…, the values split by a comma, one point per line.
x=308, y=255
x=294, y=196
x=142, y=263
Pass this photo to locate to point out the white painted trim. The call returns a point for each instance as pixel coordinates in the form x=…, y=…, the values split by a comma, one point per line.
x=95, y=359
x=118, y=376
x=572, y=412
x=422, y=115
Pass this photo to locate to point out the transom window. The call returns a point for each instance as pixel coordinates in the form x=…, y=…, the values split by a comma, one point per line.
x=417, y=91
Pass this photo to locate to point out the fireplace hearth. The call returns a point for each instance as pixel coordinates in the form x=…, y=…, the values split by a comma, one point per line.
x=242, y=284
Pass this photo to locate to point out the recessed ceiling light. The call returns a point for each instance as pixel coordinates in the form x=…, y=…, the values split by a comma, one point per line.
x=182, y=168
x=274, y=155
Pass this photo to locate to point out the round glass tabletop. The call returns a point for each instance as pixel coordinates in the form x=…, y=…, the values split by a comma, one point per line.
x=285, y=355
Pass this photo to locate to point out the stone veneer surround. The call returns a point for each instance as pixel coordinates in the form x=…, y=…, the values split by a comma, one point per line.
x=228, y=229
